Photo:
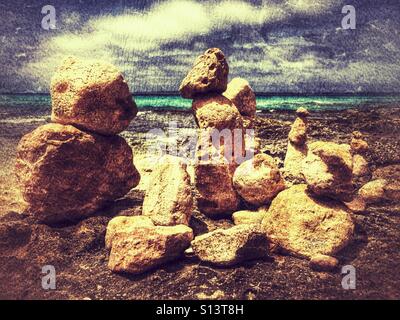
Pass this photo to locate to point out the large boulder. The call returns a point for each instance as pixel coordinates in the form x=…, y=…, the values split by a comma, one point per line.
x=305, y=226
x=216, y=111
x=226, y=247
x=137, y=246
x=209, y=74
x=242, y=96
x=168, y=200
x=328, y=169
x=258, y=180
x=91, y=95
x=67, y=174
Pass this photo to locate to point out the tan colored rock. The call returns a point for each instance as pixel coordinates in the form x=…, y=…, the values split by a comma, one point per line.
x=322, y=262
x=213, y=179
x=126, y=225
x=328, y=169
x=358, y=145
x=168, y=200
x=297, y=148
x=298, y=132
x=91, y=95
x=380, y=190
x=242, y=96
x=226, y=247
x=66, y=174
x=208, y=75
x=138, y=248
x=302, y=112
x=304, y=226
x=258, y=180
x=293, y=164
x=216, y=111
x=360, y=166
x=249, y=217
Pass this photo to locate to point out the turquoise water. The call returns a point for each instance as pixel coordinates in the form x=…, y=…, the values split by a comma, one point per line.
x=263, y=103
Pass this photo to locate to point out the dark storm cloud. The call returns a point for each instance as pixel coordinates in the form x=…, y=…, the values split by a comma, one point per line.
x=279, y=46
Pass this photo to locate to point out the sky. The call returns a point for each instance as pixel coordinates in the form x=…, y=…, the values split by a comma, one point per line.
x=279, y=46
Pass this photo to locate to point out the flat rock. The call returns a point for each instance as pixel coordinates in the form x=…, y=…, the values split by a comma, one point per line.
x=304, y=226
x=168, y=200
x=91, y=95
x=242, y=96
x=66, y=174
x=328, y=169
x=137, y=247
x=258, y=180
x=226, y=247
x=208, y=75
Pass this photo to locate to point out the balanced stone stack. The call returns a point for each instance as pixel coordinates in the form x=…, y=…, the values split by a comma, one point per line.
x=297, y=147
x=220, y=106
x=72, y=167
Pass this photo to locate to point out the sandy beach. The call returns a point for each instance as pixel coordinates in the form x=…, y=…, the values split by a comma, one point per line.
x=78, y=250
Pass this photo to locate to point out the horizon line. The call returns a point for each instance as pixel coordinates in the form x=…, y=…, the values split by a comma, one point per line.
x=261, y=94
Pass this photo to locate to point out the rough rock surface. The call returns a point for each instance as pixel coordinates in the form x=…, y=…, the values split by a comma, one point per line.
x=137, y=247
x=358, y=145
x=297, y=148
x=380, y=190
x=126, y=225
x=360, y=166
x=242, y=96
x=216, y=111
x=258, y=180
x=305, y=226
x=249, y=217
x=226, y=247
x=328, y=169
x=91, y=95
x=322, y=262
x=66, y=174
x=293, y=163
x=168, y=200
x=213, y=180
x=209, y=74
x=298, y=132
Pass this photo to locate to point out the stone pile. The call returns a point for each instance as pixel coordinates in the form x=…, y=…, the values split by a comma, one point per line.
x=70, y=168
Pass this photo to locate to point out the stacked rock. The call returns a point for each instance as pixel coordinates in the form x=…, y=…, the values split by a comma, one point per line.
x=69, y=169
x=297, y=147
x=205, y=84
x=161, y=234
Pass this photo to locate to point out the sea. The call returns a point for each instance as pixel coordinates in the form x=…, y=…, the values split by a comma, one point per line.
x=264, y=102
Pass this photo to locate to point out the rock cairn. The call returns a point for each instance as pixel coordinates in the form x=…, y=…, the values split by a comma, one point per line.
x=69, y=169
